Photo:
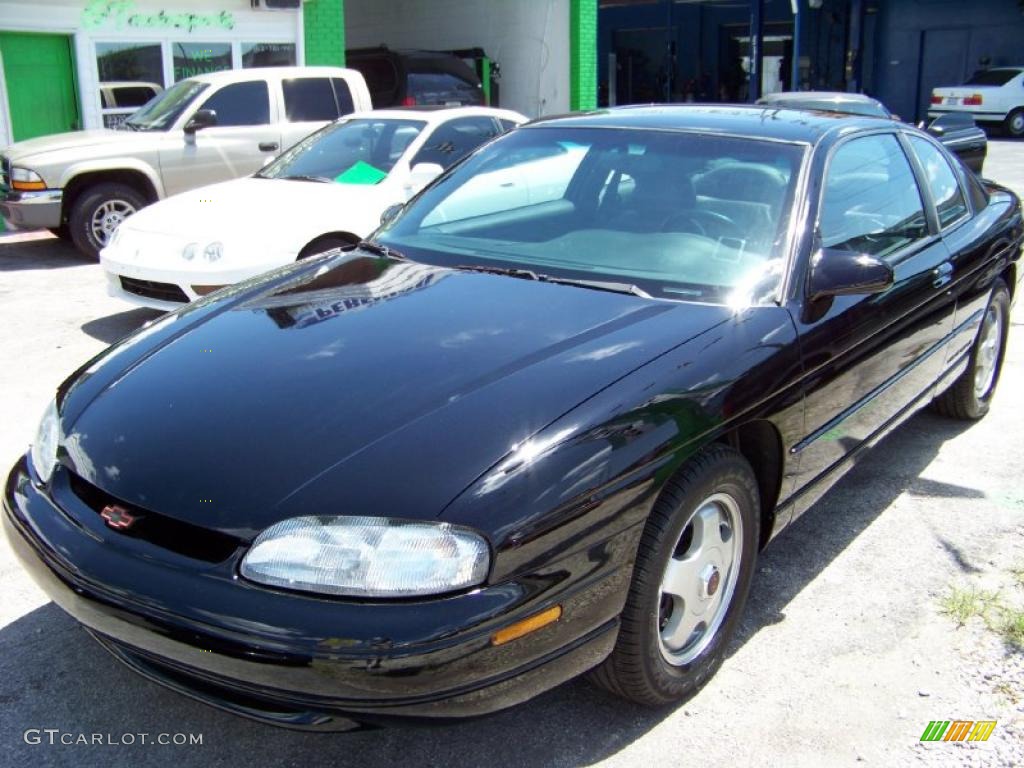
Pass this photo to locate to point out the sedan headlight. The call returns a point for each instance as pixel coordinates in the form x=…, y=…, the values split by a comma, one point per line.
x=213, y=251
x=367, y=557
x=44, y=448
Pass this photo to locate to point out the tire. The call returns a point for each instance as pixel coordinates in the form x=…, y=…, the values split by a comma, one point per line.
x=645, y=667
x=970, y=396
x=1014, y=123
x=325, y=243
x=97, y=211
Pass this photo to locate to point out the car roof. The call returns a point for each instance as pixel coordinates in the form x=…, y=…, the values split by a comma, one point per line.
x=746, y=120
x=269, y=73
x=438, y=115
x=825, y=101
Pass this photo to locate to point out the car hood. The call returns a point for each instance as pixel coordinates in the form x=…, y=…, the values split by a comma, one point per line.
x=237, y=209
x=364, y=386
x=23, y=150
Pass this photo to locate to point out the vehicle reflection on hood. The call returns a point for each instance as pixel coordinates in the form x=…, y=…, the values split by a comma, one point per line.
x=344, y=287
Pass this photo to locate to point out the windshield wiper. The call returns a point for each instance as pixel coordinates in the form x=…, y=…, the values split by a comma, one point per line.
x=527, y=274
x=599, y=285
x=382, y=250
x=301, y=177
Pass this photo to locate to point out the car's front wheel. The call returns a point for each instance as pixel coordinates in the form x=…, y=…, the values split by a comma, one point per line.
x=970, y=396
x=97, y=213
x=1014, y=123
x=690, y=582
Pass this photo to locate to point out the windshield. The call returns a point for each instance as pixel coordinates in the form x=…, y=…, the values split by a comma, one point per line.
x=360, y=151
x=993, y=77
x=678, y=215
x=160, y=112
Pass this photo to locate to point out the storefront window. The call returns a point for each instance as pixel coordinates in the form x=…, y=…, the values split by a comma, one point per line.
x=191, y=59
x=268, y=54
x=130, y=75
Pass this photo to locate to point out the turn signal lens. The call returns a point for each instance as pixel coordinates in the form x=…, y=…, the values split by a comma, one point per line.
x=526, y=626
x=202, y=290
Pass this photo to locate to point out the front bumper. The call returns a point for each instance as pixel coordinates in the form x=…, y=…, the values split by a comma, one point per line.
x=32, y=210
x=141, y=284
x=300, y=661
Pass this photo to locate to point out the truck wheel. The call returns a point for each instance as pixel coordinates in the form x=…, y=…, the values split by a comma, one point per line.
x=1015, y=123
x=97, y=212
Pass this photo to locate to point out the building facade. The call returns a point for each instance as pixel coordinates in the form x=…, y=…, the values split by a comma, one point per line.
x=74, y=64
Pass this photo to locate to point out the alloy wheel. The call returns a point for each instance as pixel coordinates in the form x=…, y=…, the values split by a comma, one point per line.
x=107, y=217
x=700, y=578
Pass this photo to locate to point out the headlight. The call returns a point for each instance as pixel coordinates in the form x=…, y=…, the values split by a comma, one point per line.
x=367, y=557
x=213, y=251
x=44, y=448
x=189, y=251
x=26, y=180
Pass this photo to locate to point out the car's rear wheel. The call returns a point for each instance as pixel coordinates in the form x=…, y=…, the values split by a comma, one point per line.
x=98, y=211
x=970, y=396
x=1014, y=123
x=690, y=582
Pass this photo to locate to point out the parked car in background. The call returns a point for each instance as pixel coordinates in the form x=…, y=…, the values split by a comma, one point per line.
x=994, y=97
x=118, y=100
x=327, y=191
x=465, y=461
x=407, y=78
x=204, y=129
x=957, y=131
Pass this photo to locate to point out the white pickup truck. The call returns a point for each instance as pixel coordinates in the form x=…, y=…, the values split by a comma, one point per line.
x=205, y=129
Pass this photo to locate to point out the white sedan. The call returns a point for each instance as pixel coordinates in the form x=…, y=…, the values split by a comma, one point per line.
x=991, y=95
x=327, y=191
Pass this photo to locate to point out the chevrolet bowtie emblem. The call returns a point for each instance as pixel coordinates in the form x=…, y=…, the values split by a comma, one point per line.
x=118, y=517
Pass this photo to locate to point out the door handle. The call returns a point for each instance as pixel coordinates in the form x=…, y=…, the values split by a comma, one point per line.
x=268, y=146
x=942, y=274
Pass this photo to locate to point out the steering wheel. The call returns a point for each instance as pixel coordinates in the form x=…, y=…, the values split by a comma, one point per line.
x=708, y=223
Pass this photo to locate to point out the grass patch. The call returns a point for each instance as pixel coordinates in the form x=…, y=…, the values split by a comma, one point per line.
x=1011, y=627
x=962, y=605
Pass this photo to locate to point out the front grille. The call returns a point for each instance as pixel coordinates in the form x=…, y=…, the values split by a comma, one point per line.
x=153, y=290
x=175, y=535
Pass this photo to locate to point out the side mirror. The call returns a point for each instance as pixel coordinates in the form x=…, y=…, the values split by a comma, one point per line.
x=390, y=213
x=836, y=272
x=203, y=118
x=424, y=173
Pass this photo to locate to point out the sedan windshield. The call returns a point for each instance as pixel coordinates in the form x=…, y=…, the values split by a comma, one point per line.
x=160, y=112
x=360, y=151
x=673, y=214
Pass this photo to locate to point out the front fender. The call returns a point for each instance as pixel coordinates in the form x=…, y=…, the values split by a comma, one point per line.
x=113, y=164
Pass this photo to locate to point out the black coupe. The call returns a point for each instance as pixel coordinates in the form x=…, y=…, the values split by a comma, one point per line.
x=541, y=423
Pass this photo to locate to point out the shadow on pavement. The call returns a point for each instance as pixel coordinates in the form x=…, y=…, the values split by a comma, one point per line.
x=113, y=327
x=44, y=253
x=52, y=675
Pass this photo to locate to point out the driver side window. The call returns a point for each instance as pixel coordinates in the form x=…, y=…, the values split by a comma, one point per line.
x=871, y=203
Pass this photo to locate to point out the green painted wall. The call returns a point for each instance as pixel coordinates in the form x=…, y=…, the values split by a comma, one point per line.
x=324, y=22
x=583, y=53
